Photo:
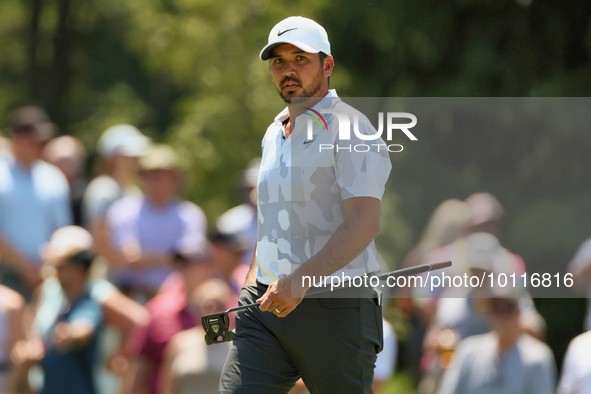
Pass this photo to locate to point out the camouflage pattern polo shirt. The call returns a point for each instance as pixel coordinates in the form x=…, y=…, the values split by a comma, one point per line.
x=303, y=182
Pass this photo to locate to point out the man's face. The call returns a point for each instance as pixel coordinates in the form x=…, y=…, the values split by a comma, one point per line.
x=68, y=273
x=160, y=185
x=504, y=311
x=27, y=147
x=297, y=73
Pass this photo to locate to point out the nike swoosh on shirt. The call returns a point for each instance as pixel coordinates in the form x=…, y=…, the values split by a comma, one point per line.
x=284, y=31
x=309, y=141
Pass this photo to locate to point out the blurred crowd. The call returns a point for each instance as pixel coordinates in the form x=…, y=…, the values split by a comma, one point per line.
x=104, y=279
x=484, y=340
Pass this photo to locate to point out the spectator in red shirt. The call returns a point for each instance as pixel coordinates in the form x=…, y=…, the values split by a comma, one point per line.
x=169, y=315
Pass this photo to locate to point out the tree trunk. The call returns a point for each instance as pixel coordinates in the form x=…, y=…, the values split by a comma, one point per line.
x=36, y=6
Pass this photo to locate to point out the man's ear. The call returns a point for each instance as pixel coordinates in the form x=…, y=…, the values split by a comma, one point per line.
x=328, y=66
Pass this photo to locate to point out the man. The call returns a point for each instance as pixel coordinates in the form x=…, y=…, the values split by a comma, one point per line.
x=504, y=361
x=457, y=313
x=576, y=370
x=189, y=365
x=69, y=351
x=146, y=231
x=580, y=268
x=117, y=151
x=318, y=213
x=34, y=200
x=169, y=315
x=12, y=330
x=242, y=219
x=123, y=320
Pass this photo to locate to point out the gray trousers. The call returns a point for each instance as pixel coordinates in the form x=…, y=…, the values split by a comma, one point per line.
x=331, y=343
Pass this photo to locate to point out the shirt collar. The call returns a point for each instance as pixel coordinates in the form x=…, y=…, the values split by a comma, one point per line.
x=12, y=162
x=283, y=115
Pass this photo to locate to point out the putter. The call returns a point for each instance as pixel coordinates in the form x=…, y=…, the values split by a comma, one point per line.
x=217, y=325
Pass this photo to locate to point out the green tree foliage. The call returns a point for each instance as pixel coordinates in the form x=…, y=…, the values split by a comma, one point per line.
x=187, y=72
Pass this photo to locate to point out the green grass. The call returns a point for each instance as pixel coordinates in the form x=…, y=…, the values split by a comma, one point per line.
x=401, y=383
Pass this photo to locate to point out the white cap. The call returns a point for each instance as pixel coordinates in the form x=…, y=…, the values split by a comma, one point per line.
x=302, y=32
x=67, y=241
x=236, y=224
x=123, y=140
x=482, y=249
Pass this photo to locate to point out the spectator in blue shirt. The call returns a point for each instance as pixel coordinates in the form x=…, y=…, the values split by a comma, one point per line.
x=34, y=200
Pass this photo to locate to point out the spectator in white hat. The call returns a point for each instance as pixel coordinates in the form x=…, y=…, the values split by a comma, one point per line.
x=117, y=149
x=242, y=219
x=145, y=231
x=68, y=347
x=69, y=256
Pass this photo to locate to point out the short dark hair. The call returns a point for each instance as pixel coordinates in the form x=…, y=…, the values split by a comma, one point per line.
x=82, y=259
x=31, y=120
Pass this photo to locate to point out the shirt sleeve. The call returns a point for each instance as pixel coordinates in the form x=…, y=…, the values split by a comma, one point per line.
x=88, y=311
x=362, y=173
x=194, y=226
x=454, y=379
x=544, y=376
x=582, y=258
x=122, y=230
x=568, y=379
x=101, y=290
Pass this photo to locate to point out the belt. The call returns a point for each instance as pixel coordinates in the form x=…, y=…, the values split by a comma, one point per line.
x=261, y=284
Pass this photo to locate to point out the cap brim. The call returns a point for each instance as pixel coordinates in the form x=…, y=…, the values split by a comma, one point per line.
x=266, y=52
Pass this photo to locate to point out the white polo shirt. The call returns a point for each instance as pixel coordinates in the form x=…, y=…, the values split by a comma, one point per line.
x=576, y=370
x=302, y=184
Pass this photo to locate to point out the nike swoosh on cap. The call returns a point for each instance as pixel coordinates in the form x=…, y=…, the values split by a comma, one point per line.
x=285, y=31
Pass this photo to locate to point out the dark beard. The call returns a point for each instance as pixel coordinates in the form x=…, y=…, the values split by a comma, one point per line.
x=311, y=91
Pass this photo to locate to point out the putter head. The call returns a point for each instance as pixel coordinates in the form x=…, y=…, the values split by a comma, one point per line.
x=217, y=328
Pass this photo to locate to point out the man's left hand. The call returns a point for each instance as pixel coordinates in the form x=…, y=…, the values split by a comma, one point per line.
x=278, y=298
